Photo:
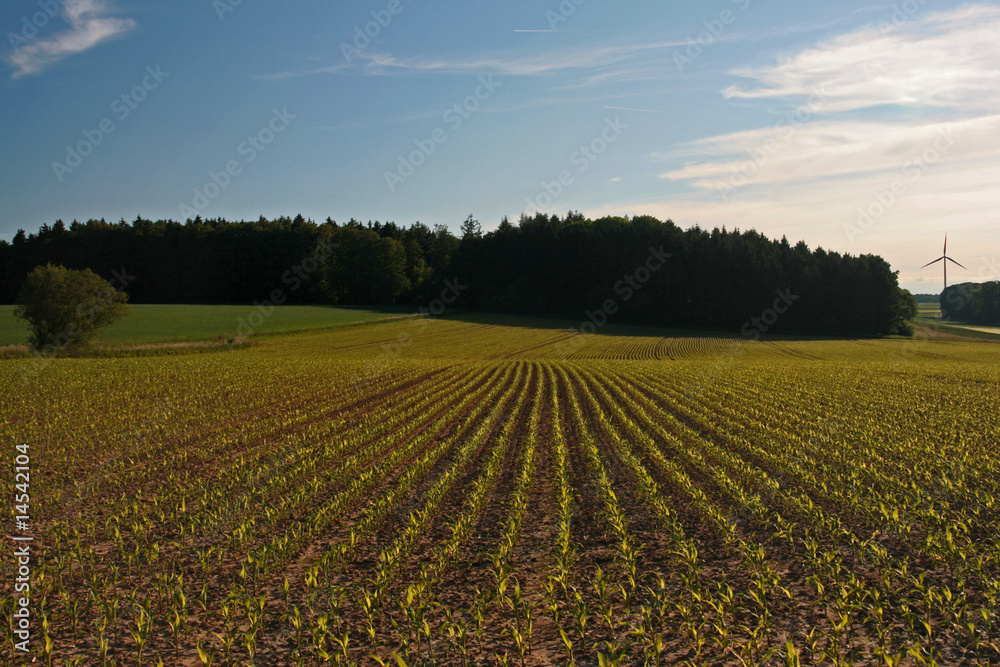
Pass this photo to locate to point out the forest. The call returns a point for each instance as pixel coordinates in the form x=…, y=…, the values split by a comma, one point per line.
x=637, y=270
x=972, y=302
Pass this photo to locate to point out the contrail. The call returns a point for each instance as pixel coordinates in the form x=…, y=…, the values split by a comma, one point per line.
x=539, y=31
x=645, y=110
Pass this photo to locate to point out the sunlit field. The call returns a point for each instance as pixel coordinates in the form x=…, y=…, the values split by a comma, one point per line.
x=453, y=492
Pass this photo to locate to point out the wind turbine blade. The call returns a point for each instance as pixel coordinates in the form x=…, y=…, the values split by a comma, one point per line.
x=945, y=253
x=953, y=262
x=934, y=262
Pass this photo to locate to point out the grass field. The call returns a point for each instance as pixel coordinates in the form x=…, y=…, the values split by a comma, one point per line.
x=464, y=491
x=989, y=330
x=178, y=323
x=930, y=310
x=954, y=328
x=929, y=317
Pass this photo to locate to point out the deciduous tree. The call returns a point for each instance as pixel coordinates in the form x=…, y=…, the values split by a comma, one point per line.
x=64, y=308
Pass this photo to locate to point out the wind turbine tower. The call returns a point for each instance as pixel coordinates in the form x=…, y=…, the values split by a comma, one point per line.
x=944, y=258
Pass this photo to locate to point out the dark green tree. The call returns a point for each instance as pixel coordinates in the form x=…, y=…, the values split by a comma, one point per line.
x=365, y=268
x=987, y=305
x=912, y=304
x=471, y=229
x=64, y=308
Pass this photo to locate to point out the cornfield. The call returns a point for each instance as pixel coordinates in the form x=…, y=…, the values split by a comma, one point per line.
x=447, y=492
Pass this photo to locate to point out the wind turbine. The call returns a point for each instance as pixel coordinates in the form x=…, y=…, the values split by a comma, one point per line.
x=945, y=259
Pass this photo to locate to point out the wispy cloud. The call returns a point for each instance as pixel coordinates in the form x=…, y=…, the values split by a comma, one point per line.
x=89, y=26
x=595, y=64
x=676, y=113
x=591, y=62
x=293, y=74
x=941, y=60
x=832, y=149
x=943, y=65
x=906, y=132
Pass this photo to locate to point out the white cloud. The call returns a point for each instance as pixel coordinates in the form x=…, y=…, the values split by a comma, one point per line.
x=942, y=60
x=911, y=108
x=89, y=26
x=829, y=149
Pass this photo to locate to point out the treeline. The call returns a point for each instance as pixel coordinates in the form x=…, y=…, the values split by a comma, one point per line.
x=627, y=270
x=972, y=302
x=223, y=262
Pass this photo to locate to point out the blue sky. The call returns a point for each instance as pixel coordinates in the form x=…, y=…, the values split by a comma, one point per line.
x=862, y=127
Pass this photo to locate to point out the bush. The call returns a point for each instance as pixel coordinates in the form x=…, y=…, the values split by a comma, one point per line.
x=64, y=308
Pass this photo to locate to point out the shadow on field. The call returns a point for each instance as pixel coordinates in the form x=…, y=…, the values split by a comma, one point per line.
x=560, y=323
